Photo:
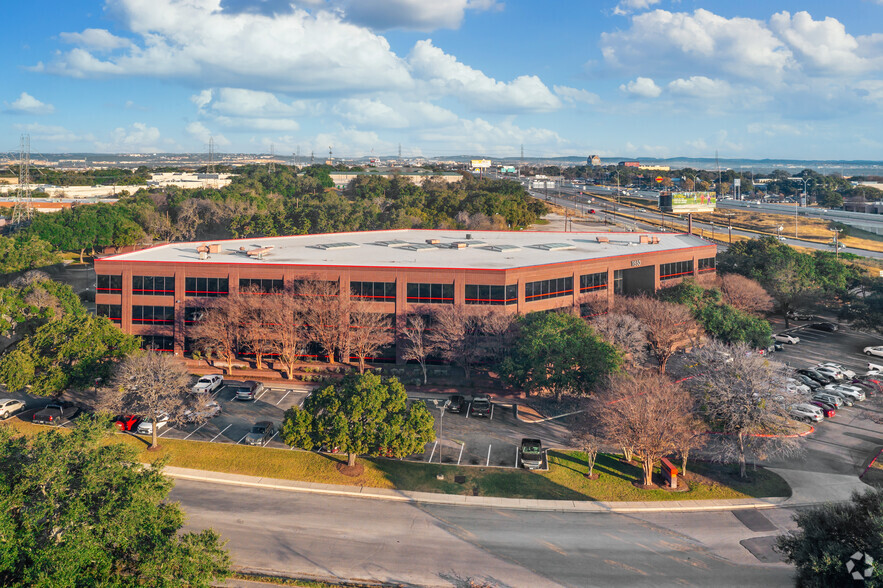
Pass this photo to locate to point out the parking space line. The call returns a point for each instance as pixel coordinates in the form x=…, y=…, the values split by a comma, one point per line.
x=283, y=398
x=468, y=410
x=271, y=438
x=262, y=393
x=488, y=456
x=196, y=429
x=221, y=433
x=432, y=452
x=166, y=431
x=516, y=456
x=492, y=411
x=462, y=446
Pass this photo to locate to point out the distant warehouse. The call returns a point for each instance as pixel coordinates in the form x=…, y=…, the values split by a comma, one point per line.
x=156, y=292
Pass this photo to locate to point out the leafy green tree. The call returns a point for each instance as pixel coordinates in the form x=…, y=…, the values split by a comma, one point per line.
x=829, y=535
x=25, y=252
x=865, y=309
x=362, y=415
x=557, y=352
x=70, y=352
x=76, y=510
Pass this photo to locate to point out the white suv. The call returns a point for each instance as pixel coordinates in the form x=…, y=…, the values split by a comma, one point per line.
x=845, y=372
x=806, y=412
x=852, y=392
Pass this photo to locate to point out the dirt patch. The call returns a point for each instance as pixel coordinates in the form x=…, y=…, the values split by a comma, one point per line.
x=351, y=471
x=591, y=476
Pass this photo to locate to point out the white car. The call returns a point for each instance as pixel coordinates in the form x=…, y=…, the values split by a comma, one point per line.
x=9, y=407
x=796, y=387
x=846, y=373
x=874, y=369
x=829, y=371
x=877, y=350
x=851, y=392
x=204, y=412
x=145, y=427
x=806, y=412
x=786, y=338
x=208, y=383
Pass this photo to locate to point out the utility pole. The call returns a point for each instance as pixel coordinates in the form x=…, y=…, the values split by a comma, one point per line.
x=836, y=242
x=271, y=168
x=521, y=163
x=311, y=157
x=400, y=153
x=23, y=209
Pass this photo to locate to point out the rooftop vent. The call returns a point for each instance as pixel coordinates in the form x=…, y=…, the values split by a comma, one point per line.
x=555, y=246
x=393, y=243
x=603, y=240
x=260, y=252
x=419, y=247
x=468, y=236
x=433, y=241
x=334, y=246
x=503, y=248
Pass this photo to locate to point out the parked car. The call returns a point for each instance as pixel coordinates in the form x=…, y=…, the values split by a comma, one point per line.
x=457, y=403
x=203, y=412
x=874, y=369
x=807, y=381
x=806, y=412
x=826, y=409
x=847, y=399
x=145, y=427
x=798, y=316
x=481, y=406
x=208, y=383
x=847, y=373
x=531, y=453
x=10, y=406
x=829, y=371
x=817, y=376
x=127, y=422
x=876, y=350
x=248, y=390
x=874, y=385
x=260, y=433
x=853, y=392
x=786, y=338
x=825, y=326
x=55, y=413
x=829, y=398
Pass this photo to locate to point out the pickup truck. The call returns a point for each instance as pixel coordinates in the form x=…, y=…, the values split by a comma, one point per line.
x=531, y=453
x=55, y=413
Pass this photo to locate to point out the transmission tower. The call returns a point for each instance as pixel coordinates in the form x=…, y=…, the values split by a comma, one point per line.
x=211, y=156
x=23, y=209
x=272, y=167
x=330, y=156
x=312, y=155
x=400, y=152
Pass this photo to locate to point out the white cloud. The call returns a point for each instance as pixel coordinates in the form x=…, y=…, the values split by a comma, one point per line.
x=629, y=6
x=138, y=138
x=53, y=134
x=96, y=40
x=479, y=135
x=199, y=131
x=824, y=44
x=700, y=87
x=257, y=123
x=422, y=15
x=778, y=129
x=251, y=103
x=871, y=90
x=27, y=104
x=574, y=95
x=443, y=74
x=644, y=87
x=393, y=113
x=202, y=99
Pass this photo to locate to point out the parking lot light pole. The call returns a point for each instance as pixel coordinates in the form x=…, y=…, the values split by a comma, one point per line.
x=441, y=429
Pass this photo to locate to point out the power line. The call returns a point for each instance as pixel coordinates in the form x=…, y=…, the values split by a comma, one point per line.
x=24, y=208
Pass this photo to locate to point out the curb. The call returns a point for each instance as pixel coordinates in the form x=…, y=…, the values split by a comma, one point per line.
x=531, y=504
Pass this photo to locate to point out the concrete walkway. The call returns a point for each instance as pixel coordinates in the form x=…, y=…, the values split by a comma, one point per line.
x=808, y=489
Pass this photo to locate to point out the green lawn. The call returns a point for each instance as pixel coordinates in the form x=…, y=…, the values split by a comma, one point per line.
x=564, y=480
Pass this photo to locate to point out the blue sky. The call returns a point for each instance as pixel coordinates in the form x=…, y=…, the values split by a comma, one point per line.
x=655, y=78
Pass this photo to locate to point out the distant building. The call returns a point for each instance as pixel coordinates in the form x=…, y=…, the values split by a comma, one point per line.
x=655, y=167
x=629, y=164
x=593, y=160
x=342, y=179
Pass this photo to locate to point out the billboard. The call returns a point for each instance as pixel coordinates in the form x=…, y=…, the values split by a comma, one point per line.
x=481, y=163
x=678, y=202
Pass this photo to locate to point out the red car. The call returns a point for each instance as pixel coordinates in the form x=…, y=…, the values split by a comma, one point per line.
x=127, y=422
x=826, y=410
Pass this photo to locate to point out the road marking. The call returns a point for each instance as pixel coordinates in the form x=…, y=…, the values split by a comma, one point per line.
x=196, y=429
x=432, y=452
x=468, y=410
x=516, y=456
x=283, y=398
x=462, y=446
x=488, y=456
x=166, y=431
x=492, y=412
x=219, y=434
x=264, y=391
x=243, y=437
x=271, y=438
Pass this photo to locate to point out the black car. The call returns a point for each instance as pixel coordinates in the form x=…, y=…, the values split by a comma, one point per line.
x=817, y=376
x=806, y=380
x=799, y=316
x=481, y=406
x=457, y=403
x=826, y=326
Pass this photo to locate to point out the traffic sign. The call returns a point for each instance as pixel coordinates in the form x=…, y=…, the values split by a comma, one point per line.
x=659, y=179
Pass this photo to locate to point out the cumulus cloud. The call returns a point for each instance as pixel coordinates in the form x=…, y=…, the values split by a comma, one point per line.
x=53, y=134
x=575, y=95
x=445, y=75
x=820, y=44
x=422, y=15
x=629, y=6
x=643, y=87
x=241, y=109
x=96, y=40
x=700, y=87
x=27, y=104
x=199, y=131
x=392, y=113
x=480, y=135
x=138, y=138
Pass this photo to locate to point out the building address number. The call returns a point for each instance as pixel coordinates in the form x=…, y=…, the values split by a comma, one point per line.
x=636, y=262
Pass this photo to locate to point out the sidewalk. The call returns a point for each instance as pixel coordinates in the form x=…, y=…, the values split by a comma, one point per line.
x=488, y=501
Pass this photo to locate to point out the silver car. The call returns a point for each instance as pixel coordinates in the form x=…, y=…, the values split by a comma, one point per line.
x=260, y=433
x=9, y=407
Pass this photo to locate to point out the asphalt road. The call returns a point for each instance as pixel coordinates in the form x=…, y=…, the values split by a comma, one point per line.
x=348, y=538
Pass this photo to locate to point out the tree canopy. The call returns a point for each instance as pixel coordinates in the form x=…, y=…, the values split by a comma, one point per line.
x=76, y=510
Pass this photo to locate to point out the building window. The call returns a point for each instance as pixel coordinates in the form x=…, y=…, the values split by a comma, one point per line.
x=153, y=315
x=493, y=295
x=263, y=286
x=109, y=284
x=193, y=314
x=431, y=293
x=323, y=288
x=706, y=264
x=544, y=289
x=373, y=291
x=592, y=282
x=206, y=287
x=617, y=281
x=163, y=343
x=153, y=285
x=677, y=269
x=113, y=312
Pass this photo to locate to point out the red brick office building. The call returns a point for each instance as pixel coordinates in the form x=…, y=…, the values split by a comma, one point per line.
x=157, y=292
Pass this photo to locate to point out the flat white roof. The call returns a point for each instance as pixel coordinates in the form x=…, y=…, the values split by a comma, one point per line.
x=417, y=248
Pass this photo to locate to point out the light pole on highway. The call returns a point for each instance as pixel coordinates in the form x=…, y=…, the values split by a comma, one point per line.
x=836, y=242
x=730, y=216
x=712, y=230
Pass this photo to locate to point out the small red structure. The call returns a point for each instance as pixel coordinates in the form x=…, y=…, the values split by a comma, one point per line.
x=670, y=473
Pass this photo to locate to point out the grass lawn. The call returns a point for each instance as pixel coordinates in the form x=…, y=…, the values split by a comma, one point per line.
x=564, y=480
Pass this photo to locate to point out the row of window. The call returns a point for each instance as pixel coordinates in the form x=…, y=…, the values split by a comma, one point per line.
x=544, y=289
x=153, y=315
x=592, y=282
x=373, y=291
x=706, y=264
x=153, y=285
x=677, y=269
x=493, y=295
x=261, y=285
x=430, y=293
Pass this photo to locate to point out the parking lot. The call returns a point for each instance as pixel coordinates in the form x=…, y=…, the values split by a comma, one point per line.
x=843, y=346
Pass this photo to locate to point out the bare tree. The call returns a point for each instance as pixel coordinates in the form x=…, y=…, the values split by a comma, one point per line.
x=745, y=294
x=287, y=332
x=256, y=329
x=588, y=439
x=668, y=325
x=149, y=384
x=495, y=332
x=325, y=314
x=744, y=402
x=622, y=330
x=455, y=335
x=369, y=332
x=416, y=343
x=219, y=329
x=647, y=412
